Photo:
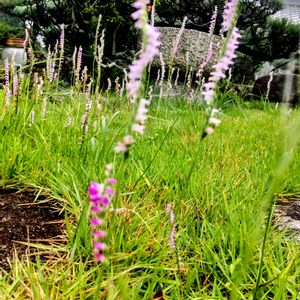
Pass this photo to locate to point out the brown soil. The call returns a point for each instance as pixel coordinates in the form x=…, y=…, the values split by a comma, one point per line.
x=287, y=216
x=24, y=220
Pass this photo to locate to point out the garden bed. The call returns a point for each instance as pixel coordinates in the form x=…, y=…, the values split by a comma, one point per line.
x=23, y=221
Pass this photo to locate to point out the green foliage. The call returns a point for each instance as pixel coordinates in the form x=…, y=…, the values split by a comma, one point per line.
x=262, y=39
x=10, y=26
x=283, y=37
x=80, y=19
x=215, y=218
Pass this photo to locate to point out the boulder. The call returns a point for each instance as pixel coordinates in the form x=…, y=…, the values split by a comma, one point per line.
x=192, y=49
x=277, y=85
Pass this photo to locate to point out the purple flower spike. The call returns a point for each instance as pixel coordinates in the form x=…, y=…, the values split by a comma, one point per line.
x=95, y=209
x=99, y=257
x=100, y=234
x=112, y=181
x=110, y=191
x=95, y=188
x=95, y=199
x=100, y=197
x=96, y=221
x=105, y=201
x=99, y=246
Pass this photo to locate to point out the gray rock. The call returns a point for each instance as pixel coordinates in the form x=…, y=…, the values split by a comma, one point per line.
x=192, y=49
x=277, y=86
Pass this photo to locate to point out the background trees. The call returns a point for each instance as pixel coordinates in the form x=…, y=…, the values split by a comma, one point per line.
x=263, y=39
x=80, y=19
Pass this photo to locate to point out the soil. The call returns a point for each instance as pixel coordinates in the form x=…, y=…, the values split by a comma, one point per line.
x=24, y=219
x=287, y=216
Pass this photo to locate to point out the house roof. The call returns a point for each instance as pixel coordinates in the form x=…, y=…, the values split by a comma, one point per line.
x=290, y=11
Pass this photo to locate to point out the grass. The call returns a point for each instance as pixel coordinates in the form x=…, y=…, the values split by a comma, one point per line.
x=217, y=213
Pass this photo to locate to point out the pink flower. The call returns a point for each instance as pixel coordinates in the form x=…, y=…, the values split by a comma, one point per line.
x=99, y=257
x=99, y=246
x=141, y=112
x=169, y=211
x=104, y=201
x=150, y=49
x=178, y=37
x=99, y=234
x=214, y=121
x=209, y=130
x=221, y=67
x=100, y=197
x=140, y=117
x=172, y=237
x=112, y=181
x=110, y=191
x=140, y=15
x=95, y=188
x=138, y=128
x=128, y=140
x=95, y=209
x=228, y=14
x=96, y=221
x=120, y=147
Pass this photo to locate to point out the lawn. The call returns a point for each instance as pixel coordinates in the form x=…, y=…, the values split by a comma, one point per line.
x=107, y=195
x=219, y=210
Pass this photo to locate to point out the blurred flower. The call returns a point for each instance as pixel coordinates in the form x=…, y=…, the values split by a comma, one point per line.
x=228, y=14
x=221, y=67
x=170, y=212
x=150, y=49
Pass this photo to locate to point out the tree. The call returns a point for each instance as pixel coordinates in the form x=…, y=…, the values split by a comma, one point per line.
x=10, y=26
x=80, y=19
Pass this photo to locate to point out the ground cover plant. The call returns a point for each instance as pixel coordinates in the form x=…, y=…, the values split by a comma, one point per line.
x=182, y=211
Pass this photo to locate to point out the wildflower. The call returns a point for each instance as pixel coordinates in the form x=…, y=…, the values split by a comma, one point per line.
x=214, y=121
x=228, y=14
x=15, y=85
x=100, y=234
x=170, y=212
x=69, y=121
x=209, y=130
x=96, y=221
x=112, y=181
x=32, y=117
x=44, y=109
x=140, y=117
x=138, y=128
x=6, y=77
x=100, y=197
x=120, y=210
x=178, y=37
x=221, y=67
x=121, y=148
x=150, y=49
x=78, y=64
x=269, y=84
x=210, y=46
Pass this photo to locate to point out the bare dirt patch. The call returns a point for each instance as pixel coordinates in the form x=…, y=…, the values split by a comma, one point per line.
x=22, y=219
x=287, y=216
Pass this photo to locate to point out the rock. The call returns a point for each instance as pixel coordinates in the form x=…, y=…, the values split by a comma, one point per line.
x=192, y=49
x=277, y=66
x=276, y=93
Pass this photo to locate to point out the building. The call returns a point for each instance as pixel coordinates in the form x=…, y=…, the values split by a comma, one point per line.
x=290, y=11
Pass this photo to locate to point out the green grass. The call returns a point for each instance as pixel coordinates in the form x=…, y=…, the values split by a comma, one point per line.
x=217, y=212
